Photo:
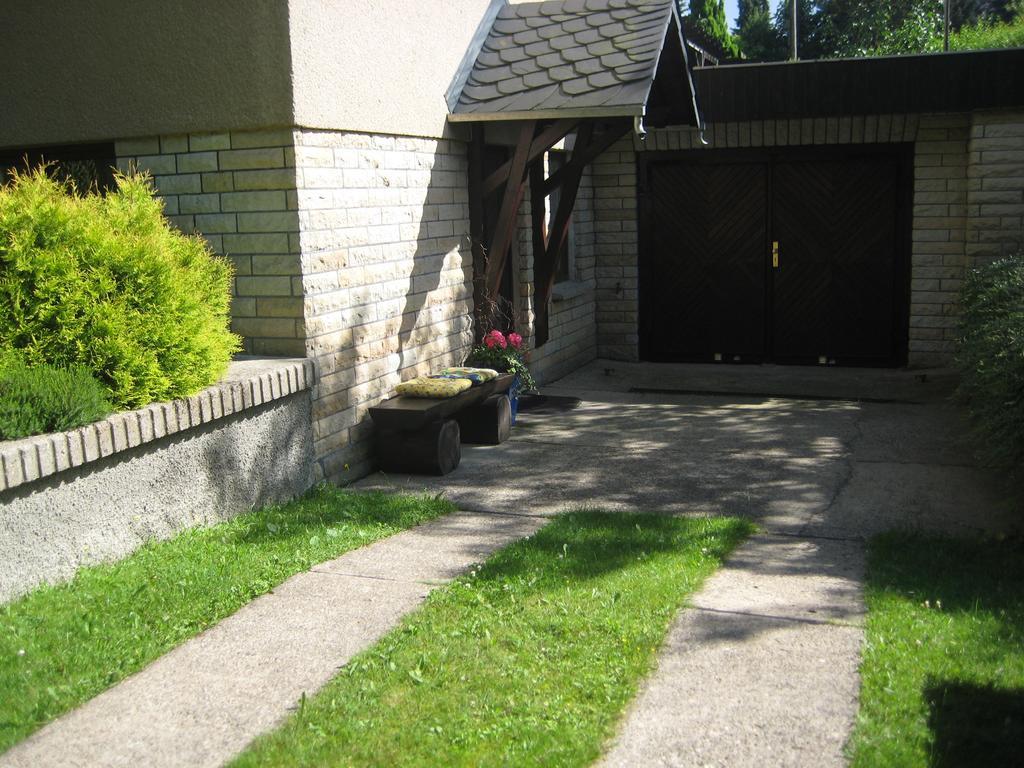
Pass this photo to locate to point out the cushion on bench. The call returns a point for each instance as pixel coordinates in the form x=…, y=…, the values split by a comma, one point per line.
x=424, y=386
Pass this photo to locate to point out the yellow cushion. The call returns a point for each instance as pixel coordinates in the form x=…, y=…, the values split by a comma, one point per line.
x=436, y=388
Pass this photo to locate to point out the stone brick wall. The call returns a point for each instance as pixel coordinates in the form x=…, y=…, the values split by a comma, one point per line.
x=968, y=203
x=937, y=254
x=386, y=276
x=616, y=251
x=995, y=185
x=238, y=190
x=349, y=249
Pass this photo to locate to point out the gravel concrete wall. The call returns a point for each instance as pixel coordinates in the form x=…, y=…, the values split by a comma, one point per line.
x=103, y=510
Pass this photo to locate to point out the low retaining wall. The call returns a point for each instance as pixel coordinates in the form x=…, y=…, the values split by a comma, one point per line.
x=99, y=492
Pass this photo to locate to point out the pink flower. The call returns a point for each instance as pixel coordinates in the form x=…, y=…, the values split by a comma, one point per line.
x=515, y=340
x=495, y=338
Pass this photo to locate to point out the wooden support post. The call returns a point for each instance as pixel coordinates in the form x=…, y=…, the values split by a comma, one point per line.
x=545, y=263
x=505, y=228
x=478, y=237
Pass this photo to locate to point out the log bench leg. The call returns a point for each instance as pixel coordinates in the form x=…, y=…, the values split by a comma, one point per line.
x=489, y=423
x=433, y=450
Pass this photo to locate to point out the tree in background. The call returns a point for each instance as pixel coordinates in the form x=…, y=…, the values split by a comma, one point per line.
x=807, y=21
x=709, y=17
x=757, y=37
x=845, y=28
x=851, y=28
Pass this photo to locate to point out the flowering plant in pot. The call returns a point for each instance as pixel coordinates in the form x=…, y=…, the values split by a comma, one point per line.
x=507, y=353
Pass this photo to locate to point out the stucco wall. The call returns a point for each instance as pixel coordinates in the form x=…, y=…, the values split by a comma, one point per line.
x=93, y=70
x=378, y=66
x=98, y=493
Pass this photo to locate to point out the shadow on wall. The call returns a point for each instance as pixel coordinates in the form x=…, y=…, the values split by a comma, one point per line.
x=410, y=304
x=259, y=464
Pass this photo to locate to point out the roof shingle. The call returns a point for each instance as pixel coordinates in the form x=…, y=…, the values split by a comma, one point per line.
x=564, y=54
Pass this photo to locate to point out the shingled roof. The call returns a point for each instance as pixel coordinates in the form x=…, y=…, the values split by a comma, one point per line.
x=579, y=58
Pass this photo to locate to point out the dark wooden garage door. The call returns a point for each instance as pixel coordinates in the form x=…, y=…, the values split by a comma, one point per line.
x=794, y=257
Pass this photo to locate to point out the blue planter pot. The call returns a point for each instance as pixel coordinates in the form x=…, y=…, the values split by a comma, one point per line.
x=513, y=396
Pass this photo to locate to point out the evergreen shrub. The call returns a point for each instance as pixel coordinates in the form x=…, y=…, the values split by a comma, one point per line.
x=106, y=284
x=990, y=357
x=46, y=399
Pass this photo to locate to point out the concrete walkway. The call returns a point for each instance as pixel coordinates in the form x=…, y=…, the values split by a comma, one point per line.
x=203, y=702
x=762, y=669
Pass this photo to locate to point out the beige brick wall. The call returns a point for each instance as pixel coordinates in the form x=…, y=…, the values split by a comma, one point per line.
x=995, y=185
x=616, y=250
x=386, y=276
x=237, y=189
x=968, y=203
x=938, y=235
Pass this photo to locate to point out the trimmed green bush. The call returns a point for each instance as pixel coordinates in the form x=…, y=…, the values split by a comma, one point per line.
x=46, y=399
x=103, y=282
x=990, y=357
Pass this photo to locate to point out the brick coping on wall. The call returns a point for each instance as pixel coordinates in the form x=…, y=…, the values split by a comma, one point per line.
x=249, y=382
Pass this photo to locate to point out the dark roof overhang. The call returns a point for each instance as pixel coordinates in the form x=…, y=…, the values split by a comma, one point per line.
x=936, y=82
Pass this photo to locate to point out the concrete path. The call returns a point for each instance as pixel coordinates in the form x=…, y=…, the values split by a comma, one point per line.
x=203, y=702
x=762, y=670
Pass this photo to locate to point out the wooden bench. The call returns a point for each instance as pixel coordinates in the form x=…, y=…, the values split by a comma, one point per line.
x=423, y=435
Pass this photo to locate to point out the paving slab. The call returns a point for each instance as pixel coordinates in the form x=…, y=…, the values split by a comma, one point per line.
x=774, y=461
x=203, y=702
x=761, y=670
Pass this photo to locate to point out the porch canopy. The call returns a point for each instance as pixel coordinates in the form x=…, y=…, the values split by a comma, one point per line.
x=592, y=68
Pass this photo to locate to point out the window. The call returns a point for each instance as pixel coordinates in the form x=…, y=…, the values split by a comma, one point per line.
x=565, y=268
x=89, y=166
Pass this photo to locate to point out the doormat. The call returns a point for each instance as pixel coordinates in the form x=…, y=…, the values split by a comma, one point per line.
x=767, y=395
x=545, y=404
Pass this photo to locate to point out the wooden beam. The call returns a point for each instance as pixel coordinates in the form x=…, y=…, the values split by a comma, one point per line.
x=605, y=140
x=478, y=237
x=505, y=227
x=546, y=139
x=545, y=264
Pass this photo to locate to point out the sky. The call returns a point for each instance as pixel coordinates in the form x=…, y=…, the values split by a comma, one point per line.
x=731, y=10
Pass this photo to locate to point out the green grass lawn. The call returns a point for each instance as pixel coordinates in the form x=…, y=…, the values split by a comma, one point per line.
x=61, y=645
x=527, y=661
x=943, y=665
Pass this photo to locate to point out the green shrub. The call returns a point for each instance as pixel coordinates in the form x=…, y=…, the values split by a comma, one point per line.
x=990, y=357
x=987, y=34
x=105, y=283
x=46, y=399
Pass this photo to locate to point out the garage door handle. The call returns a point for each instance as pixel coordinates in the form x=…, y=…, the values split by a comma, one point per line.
x=775, y=254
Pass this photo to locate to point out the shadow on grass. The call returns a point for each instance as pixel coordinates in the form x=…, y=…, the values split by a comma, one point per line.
x=969, y=575
x=975, y=725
